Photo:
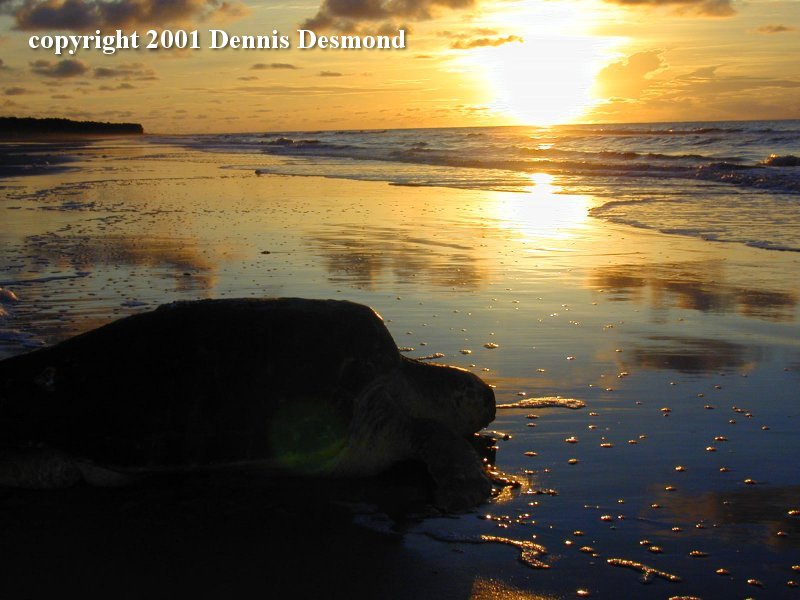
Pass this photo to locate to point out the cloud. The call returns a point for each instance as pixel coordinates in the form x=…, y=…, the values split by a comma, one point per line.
x=768, y=29
x=706, y=94
x=703, y=73
x=121, y=86
x=485, y=41
x=707, y=8
x=628, y=78
x=15, y=91
x=462, y=35
x=263, y=66
x=88, y=15
x=347, y=15
x=737, y=84
x=126, y=71
x=300, y=90
x=4, y=66
x=69, y=67
x=707, y=82
x=330, y=74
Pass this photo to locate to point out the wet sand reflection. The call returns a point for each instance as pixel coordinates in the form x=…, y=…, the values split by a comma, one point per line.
x=694, y=354
x=733, y=513
x=366, y=257
x=181, y=257
x=700, y=286
x=68, y=283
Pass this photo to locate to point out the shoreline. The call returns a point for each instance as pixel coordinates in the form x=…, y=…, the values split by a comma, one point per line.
x=630, y=321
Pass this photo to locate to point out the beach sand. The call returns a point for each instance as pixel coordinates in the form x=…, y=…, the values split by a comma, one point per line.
x=684, y=351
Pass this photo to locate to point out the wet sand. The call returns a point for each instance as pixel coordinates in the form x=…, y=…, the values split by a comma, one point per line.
x=685, y=353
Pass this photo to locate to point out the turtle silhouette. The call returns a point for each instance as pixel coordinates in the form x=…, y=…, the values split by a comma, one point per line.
x=286, y=385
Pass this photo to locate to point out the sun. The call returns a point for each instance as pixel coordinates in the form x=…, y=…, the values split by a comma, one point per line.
x=548, y=77
x=544, y=81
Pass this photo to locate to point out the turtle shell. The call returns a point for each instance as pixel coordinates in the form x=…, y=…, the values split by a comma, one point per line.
x=196, y=384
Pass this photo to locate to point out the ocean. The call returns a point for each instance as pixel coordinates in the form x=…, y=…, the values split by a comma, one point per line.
x=719, y=181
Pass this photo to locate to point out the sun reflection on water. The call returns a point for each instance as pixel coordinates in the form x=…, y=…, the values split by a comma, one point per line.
x=543, y=212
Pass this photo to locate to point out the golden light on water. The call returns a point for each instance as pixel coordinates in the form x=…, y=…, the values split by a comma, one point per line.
x=542, y=213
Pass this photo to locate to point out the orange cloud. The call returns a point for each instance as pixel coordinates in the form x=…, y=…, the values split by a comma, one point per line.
x=707, y=8
x=485, y=41
x=628, y=78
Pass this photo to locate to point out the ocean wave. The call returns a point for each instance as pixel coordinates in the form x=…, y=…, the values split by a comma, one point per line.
x=359, y=132
x=628, y=131
x=457, y=150
x=681, y=129
x=776, y=160
x=284, y=141
x=306, y=147
x=703, y=165
x=759, y=177
x=731, y=170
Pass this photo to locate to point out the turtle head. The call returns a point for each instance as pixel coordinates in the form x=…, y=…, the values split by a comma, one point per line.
x=458, y=399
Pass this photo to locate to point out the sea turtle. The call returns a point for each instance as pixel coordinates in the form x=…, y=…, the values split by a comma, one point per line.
x=309, y=387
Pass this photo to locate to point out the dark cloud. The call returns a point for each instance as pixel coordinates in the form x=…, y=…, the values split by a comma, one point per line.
x=387, y=28
x=263, y=66
x=708, y=8
x=69, y=67
x=135, y=71
x=347, y=15
x=774, y=29
x=121, y=86
x=87, y=15
x=103, y=72
x=484, y=42
x=330, y=74
x=15, y=91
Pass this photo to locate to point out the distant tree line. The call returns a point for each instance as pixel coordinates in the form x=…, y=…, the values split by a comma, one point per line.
x=17, y=127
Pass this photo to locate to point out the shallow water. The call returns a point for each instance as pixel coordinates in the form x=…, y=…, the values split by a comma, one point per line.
x=672, y=343
x=736, y=181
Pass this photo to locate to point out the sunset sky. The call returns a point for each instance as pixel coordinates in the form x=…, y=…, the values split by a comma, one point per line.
x=467, y=62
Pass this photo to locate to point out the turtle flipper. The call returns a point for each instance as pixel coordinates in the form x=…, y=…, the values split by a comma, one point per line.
x=461, y=489
x=458, y=474
x=37, y=468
